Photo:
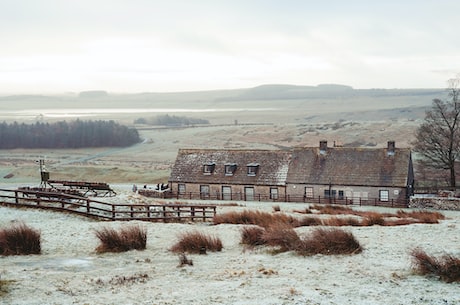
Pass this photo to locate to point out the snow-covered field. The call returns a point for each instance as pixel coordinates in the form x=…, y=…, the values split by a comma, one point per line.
x=69, y=271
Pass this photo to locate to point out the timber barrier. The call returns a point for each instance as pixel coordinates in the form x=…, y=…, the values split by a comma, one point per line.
x=57, y=201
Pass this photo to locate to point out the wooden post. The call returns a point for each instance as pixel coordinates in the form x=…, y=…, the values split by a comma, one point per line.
x=132, y=209
x=113, y=212
x=192, y=213
x=87, y=207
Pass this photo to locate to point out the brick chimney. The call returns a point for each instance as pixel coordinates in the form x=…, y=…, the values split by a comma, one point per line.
x=391, y=148
x=322, y=147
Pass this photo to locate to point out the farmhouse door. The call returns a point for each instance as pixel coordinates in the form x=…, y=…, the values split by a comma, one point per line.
x=249, y=193
x=226, y=193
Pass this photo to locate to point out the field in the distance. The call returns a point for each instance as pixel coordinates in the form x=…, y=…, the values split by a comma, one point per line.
x=266, y=117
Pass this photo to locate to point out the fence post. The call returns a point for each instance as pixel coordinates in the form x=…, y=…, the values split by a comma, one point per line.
x=87, y=207
x=113, y=212
x=192, y=213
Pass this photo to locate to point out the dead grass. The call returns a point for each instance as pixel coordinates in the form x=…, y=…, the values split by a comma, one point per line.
x=342, y=221
x=329, y=242
x=259, y=218
x=252, y=236
x=422, y=216
x=130, y=238
x=446, y=267
x=281, y=236
x=19, y=239
x=197, y=242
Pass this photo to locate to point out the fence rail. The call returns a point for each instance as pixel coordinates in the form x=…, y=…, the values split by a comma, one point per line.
x=88, y=207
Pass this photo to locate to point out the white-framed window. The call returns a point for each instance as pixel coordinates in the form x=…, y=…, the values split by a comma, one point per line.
x=204, y=191
x=384, y=195
x=308, y=192
x=274, y=193
x=252, y=169
x=208, y=168
x=230, y=169
x=181, y=188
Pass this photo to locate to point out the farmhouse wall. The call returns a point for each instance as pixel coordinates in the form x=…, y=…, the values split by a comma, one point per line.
x=349, y=192
x=437, y=203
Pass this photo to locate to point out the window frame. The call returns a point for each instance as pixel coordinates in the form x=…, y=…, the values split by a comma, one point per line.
x=383, y=197
x=252, y=169
x=274, y=193
x=307, y=191
x=208, y=168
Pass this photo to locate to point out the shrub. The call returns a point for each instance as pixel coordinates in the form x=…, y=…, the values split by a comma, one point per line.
x=252, y=236
x=282, y=236
x=447, y=267
x=329, y=242
x=131, y=238
x=19, y=239
x=197, y=242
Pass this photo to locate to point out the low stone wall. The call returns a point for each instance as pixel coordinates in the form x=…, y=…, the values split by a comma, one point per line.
x=437, y=203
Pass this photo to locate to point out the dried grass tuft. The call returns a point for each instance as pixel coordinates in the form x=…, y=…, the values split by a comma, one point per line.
x=252, y=236
x=19, y=239
x=329, y=242
x=130, y=238
x=281, y=236
x=447, y=267
x=197, y=242
x=259, y=218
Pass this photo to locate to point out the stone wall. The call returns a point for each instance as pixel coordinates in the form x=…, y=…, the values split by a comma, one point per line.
x=437, y=203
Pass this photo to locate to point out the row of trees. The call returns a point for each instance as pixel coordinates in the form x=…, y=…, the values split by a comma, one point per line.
x=74, y=134
x=167, y=120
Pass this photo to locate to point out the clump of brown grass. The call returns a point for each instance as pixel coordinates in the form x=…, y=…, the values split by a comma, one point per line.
x=447, y=267
x=422, y=216
x=19, y=239
x=252, y=236
x=281, y=236
x=130, y=238
x=258, y=218
x=373, y=218
x=332, y=209
x=310, y=221
x=342, y=221
x=197, y=242
x=330, y=242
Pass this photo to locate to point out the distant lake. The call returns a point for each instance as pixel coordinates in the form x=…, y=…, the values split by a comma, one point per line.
x=66, y=113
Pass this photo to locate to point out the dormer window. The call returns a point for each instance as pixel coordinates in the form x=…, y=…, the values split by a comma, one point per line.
x=230, y=169
x=252, y=169
x=208, y=168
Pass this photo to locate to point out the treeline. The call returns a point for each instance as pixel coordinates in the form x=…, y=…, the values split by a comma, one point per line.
x=74, y=134
x=167, y=120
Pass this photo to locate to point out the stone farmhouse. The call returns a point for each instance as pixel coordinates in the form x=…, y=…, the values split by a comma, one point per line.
x=307, y=174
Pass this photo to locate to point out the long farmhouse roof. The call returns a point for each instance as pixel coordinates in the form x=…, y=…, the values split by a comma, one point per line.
x=307, y=165
x=351, y=166
x=269, y=167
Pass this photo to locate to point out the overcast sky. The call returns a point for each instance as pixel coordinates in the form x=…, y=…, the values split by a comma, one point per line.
x=148, y=45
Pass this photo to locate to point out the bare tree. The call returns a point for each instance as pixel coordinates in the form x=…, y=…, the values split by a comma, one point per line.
x=438, y=137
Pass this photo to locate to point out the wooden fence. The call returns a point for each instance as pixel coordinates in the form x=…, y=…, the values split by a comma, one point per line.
x=88, y=207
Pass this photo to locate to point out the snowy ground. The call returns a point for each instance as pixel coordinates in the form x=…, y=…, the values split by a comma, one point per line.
x=70, y=272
